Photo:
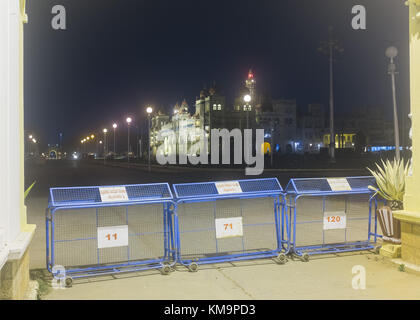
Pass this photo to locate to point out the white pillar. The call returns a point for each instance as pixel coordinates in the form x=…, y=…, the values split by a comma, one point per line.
x=16, y=233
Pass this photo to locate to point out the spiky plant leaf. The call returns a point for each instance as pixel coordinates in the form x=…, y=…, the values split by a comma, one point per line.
x=390, y=179
x=28, y=190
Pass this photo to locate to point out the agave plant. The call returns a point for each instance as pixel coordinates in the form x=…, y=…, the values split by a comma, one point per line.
x=390, y=179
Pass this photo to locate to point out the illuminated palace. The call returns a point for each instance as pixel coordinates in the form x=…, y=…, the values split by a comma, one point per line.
x=276, y=117
x=285, y=129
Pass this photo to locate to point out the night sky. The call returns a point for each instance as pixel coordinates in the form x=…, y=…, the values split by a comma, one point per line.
x=117, y=56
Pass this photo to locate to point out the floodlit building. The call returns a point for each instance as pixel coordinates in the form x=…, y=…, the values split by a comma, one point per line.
x=276, y=116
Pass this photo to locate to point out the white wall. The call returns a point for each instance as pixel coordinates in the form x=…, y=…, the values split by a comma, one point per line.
x=11, y=117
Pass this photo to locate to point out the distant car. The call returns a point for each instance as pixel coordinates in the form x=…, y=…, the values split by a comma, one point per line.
x=111, y=156
x=131, y=155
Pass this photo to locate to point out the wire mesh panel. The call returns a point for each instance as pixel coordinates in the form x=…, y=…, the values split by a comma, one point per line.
x=220, y=221
x=331, y=214
x=90, y=195
x=110, y=236
x=310, y=219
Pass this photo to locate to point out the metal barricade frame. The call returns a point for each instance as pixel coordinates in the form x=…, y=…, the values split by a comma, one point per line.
x=78, y=198
x=187, y=193
x=320, y=187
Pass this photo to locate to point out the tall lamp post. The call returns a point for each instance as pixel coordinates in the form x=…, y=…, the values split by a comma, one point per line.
x=247, y=99
x=391, y=53
x=128, y=120
x=105, y=142
x=30, y=146
x=84, y=145
x=92, y=136
x=328, y=48
x=87, y=145
x=115, y=127
x=149, y=111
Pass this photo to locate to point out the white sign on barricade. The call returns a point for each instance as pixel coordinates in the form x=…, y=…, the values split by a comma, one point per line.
x=335, y=220
x=227, y=187
x=229, y=228
x=114, y=236
x=113, y=194
x=339, y=184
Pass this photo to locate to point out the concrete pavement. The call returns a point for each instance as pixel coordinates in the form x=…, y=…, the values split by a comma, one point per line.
x=326, y=277
x=323, y=277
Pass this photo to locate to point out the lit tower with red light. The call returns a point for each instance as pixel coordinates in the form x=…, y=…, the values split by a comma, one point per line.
x=250, y=83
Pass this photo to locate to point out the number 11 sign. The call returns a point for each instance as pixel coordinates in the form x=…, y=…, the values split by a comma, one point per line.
x=114, y=236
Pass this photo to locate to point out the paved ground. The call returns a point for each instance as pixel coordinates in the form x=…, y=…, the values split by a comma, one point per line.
x=321, y=278
x=328, y=277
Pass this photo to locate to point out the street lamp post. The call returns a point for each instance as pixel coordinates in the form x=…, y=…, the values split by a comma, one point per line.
x=30, y=145
x=391, y=53
x=328, y=48
x=115, y=127
x=247, y=99
x=128, y=120
x=149, y=111
x=105, y=143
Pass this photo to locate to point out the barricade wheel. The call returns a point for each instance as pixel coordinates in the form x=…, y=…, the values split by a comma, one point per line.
x=377, y=249
x=165, y=270
x=193, y=267
x=281, y=258
x=305, y=257
x=69, y=282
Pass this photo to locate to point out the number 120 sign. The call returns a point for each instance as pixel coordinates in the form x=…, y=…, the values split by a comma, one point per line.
x=334, y=220
x=229, y=227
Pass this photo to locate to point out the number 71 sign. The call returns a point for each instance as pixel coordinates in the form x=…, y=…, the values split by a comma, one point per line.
x=229, y=227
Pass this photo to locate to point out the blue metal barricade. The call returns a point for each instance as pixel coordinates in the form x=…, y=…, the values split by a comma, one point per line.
x=230, y=220
x=331, y=215
x=102, y=230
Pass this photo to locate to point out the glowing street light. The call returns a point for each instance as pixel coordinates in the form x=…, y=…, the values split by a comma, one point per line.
x=30, y=137
x=34, y=140
x=149, y=111
x=105, y=130
x=92, y=136
x=115, y=127
x=247, y=99
x=128, y=120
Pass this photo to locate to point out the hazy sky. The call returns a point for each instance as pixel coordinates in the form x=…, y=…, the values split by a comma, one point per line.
x=116, y=56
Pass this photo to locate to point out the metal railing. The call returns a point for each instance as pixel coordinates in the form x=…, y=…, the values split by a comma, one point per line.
x=103, y=230
x=336, y=215
x=230, y=220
